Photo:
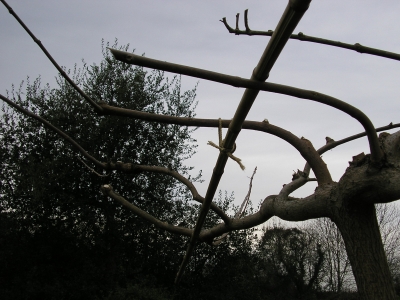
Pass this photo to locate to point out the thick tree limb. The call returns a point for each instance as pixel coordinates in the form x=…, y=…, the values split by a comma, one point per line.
x=290, y=209
x=321, y=203
x=256, y=85
x=55, y=64
x=357, y=186
x=306, y=38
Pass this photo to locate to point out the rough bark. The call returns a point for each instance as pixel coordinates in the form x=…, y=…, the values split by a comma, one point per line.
x=359, y=228
x=354, y=214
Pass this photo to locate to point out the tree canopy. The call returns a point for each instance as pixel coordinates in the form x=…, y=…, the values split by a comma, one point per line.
x=51, y=193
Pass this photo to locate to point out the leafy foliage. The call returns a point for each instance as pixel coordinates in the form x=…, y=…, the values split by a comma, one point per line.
x=54, y=199
x=292, y=260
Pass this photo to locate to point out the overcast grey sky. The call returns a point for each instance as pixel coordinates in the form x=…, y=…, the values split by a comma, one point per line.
x=189, y=32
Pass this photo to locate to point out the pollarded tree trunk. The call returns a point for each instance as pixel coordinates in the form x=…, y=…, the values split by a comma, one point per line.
x=359, y=228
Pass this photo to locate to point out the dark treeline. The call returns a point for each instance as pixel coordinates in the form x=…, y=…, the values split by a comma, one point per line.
x=60, y=238
x=52, y=262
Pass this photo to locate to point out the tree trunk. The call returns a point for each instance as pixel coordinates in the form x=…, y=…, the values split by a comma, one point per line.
x=359, y=228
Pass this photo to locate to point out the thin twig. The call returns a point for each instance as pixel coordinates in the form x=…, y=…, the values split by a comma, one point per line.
x=91, y=169
x=240, y=212
x=62, y=72
x=246, y=200
x=306, y=38
x=56, y=130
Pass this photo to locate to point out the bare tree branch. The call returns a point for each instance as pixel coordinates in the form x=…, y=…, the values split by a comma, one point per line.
x=108, y=191
x=133, y=168
x=290, y=209
x=289, y=20
x=320, y=203
x=91, y=169
x=332, y=144
x=240, y=212
x=62, y=72
x=256, y=85
x=306, y=38
x=55, y=129
x=246, y=200
x=120, y=166
x=302, y=145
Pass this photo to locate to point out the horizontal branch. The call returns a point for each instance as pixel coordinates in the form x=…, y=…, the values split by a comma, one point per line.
x=55, y=64
x=306, y=38
x=128, y=168
x=289, y=209
x=305, y=148
x=108, y=191
x=257, y=85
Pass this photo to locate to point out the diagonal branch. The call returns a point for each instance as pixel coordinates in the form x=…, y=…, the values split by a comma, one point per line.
x=256, y=85
x=330, y=143
x=56, y=130
x=62, y=72
x=108, y=191
x=288, y=22
x=333, y=144
x=306, y=38
x=301, y=177
x=134, y=169
x=246, y=200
